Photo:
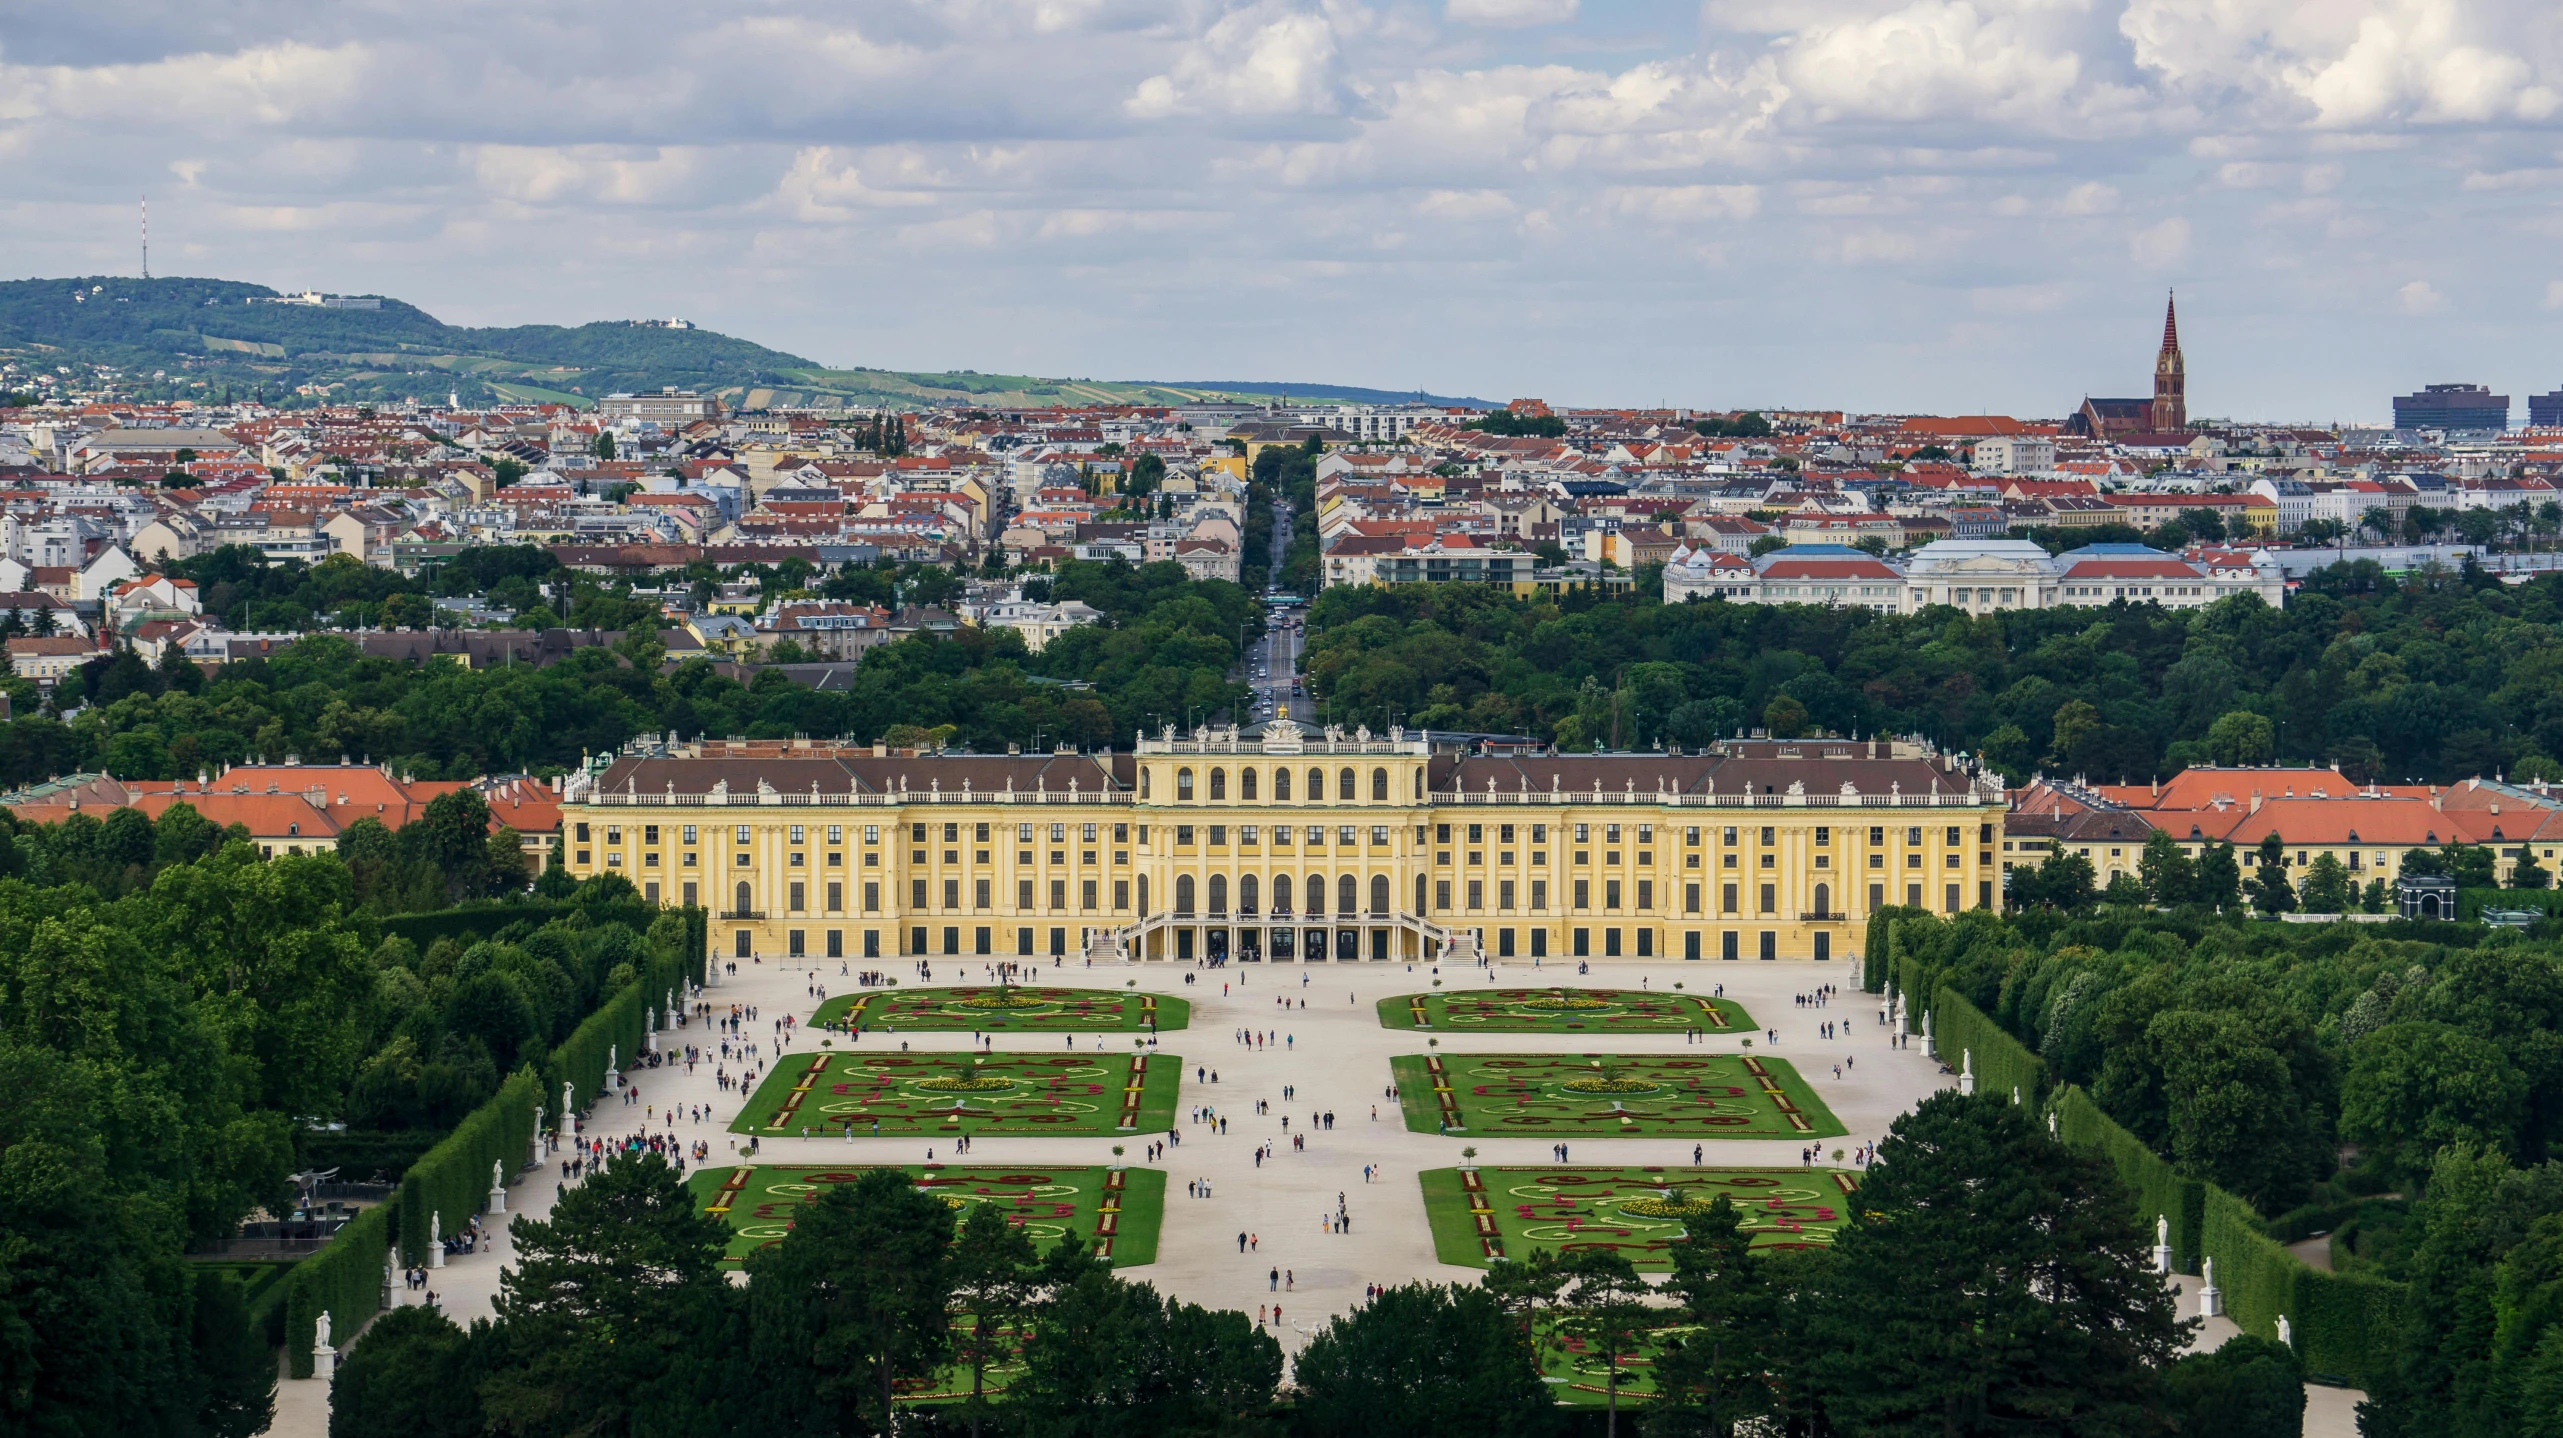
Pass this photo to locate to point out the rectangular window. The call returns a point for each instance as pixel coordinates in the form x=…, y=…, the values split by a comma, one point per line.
x=1583, y=893
x=1058, y=941
x=1442, y=894
x=1503, y=943
x=979, y=893
x=650, y=893
x=689, y=896
x=1645, y=895
x=1504, y=833
x=1058, y=895
x=1583, y=943
x=689, y=833
x=650, y=835
x=799, y=833
x=872, y=943
x=1610, y=893
x=1023, y=937
x=1086, y=894
x=1441, y=833
x=952, y=893
x=980, y=938
x=1952, y=899
x=1726, y=898
x=836, y=943
x=836, y=898
x=1539, y=943
x=1690, y=898
x=743, y=833
x=1770, y=898
x=979, y=833
x=1120, y=894
x=1504, y=894
x=1913, y=896
x=1877, y=897
x=1646, y=943
x=1477, y=893
x=1583, y=833
x=1539, y=896
x=871, y=897
x=1726, y=946
x=1727, y=835
x=916, y=893
x=795, y=892
x=792, y=943
x=1023, y=893
x=1769, y=835
x=1183, y=835
x=1610, y=833
x=582, y=832
x=1539, y=833
x=1611, y=943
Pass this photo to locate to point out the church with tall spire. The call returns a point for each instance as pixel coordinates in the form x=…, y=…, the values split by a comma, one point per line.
x=2171, y=383
x=2164, y=416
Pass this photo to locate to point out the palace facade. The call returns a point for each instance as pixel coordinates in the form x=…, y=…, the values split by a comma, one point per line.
x=1291, y=846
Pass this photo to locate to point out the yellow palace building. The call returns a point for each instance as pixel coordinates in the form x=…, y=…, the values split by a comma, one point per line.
x=1291, y=846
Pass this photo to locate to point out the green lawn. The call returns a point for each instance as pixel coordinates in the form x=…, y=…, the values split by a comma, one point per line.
x=1489, y=1213
x=1571, y=1096
x=1118, y=1213
x=896, y=1095
x=1563, y=1010
x=1016, y=1008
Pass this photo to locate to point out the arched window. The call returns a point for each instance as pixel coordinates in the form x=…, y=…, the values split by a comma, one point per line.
x=1379, y=893
x=1348, y=896
x=1219, y=893
x=1316, y=785
x=1183, y=786
x=1281, y=786
x=1316, y=896
x=1246, y=890
x=1183, y=893
x=1143, y=783
x=1419, y=786
x=1823, y=898
x=1281, y=894
x=1246, y=785
x=1419, y=893
x=1379, y=785
x=1218, y=783
x=1143, y=896
x=744, y=906
x=1345, y=785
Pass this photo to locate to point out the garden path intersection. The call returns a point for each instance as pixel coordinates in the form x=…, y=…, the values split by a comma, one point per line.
x=1332, y=1056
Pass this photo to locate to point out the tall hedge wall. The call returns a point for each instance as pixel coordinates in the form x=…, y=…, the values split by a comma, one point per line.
x=345, y=1278
x=616, y=1029
x=1879, y=950
x=2002, y=1062
x=471, y=923
x=451, y=1180
x=2160, y=1191
x=2345, y=1327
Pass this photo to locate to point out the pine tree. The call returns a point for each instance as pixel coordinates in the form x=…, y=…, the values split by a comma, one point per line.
x=2271, y=893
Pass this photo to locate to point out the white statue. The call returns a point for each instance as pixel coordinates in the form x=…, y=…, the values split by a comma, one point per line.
x=1967, y=1072
x=2210, y=1302
x=2162, y=1245
x=534, y=1149
x=2051, y=1123
x=569, y=1109
x=324, y=1358
x=436, y=1240
x=497, y=1187
x=1926, y=1036
x=391, y=1277
x=614, y=1062
x=2286, y=1335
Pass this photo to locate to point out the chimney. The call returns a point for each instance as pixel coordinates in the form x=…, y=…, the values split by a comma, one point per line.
x=2255, y=808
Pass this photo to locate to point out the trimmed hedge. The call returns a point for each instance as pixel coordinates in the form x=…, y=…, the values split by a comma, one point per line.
x=2470, y=903
x=2344, y=1327
x=471, y=923
x=1879, y=951
x=2160, y=1191
x=2001, y=1061
x=617, y=1028
x=345, y=1278
x=451, y=1181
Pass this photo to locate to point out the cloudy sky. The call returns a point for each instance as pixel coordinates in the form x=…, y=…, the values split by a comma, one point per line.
x=1881, y=204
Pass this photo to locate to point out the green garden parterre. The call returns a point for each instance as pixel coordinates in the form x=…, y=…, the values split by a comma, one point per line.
x=1116, y=1211
x=1564, y=1010
x=902, y=1095
x=991, y=1008
x=1701, y=1095
x=1482, y=1214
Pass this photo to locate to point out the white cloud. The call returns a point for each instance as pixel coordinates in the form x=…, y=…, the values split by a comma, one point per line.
x=2420, y=297
x=2159, y=245
x=1509, y=14
x=1482, y=193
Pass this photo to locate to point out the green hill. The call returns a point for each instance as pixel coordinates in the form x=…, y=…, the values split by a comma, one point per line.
x=205, y=339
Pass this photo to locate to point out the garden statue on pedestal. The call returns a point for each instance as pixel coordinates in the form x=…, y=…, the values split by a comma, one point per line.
x=2162, y=1245
x=1967, y=1072
x=497, y=1188
x=324, y=1358
x=436, y=1240
x=2210, y=1301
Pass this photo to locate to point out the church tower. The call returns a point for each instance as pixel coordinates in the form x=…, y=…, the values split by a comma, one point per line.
x=2171, y=382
